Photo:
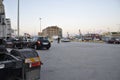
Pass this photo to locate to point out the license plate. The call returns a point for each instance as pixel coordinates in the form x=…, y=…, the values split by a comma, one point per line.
x=45, y=43
x=2, y=66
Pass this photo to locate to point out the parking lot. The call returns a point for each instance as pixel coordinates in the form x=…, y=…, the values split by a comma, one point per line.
x=81, y=61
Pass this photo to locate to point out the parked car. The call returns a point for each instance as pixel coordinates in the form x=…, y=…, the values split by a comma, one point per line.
x=65, y=40
x=17, y=42
x=10, y=42
x=40, y=43
x=114, y=41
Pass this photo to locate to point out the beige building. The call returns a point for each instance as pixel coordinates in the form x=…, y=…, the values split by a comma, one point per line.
x=1, y=7
x=5, y=23
x=2, y=20
x=9, y=30
x=52, y=31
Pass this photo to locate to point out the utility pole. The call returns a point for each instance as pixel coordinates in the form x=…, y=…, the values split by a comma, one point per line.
x=40, y=25
x=18, y=23
x=80, y=33
x=68, y=35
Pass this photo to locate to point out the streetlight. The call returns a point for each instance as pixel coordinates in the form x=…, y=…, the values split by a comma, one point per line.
x=40, y=25
x=18, y=21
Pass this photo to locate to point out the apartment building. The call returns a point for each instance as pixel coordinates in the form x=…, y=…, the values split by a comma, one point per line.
x=5, y=23
x=52, y=31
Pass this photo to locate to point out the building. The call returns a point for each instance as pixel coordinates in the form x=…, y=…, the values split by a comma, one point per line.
x=52, y=31
x=5, y=24
x=2, y=11
x=2, y=19
x=9, y=30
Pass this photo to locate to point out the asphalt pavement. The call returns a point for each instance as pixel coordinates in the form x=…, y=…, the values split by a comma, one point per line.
x=81, y=61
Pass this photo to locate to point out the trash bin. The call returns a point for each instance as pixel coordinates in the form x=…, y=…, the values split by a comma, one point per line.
x=31, y=63
x=19, y=64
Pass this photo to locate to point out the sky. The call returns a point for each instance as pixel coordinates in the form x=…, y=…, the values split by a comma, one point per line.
x=71, y=15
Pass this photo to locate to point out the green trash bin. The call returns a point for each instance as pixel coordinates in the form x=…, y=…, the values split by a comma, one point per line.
x=31, y=63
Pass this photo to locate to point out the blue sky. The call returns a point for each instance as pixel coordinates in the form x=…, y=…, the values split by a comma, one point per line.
x=70, y=15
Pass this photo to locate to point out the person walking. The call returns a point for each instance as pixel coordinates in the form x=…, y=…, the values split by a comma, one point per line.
x=58, y=39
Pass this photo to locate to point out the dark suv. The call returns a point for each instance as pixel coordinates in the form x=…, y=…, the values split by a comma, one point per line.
x=40, y=43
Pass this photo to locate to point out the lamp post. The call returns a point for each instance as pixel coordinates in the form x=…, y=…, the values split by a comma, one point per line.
x=40, y=25
x=18, y=21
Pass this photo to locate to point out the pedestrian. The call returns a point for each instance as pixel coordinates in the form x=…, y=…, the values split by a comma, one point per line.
x=58, y=39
